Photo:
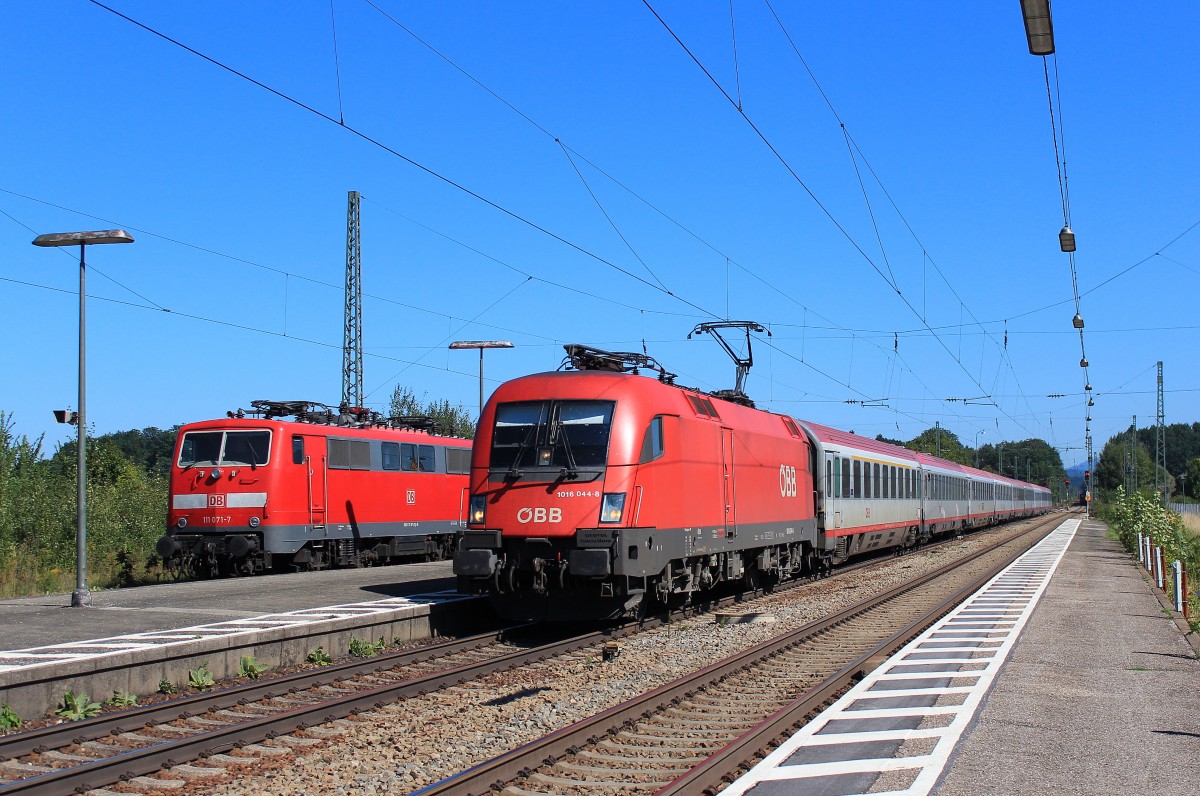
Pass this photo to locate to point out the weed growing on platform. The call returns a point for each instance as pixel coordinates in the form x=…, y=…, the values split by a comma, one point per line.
x=8, y=719
x=201, y=678
x=123, y=699
x=166, y=687
x=320, y=657
x=365, y=649
x=251, y=668
x=77, y=707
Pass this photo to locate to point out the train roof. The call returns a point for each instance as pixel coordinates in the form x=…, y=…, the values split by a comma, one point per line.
x=368, y=432
x=833, y=437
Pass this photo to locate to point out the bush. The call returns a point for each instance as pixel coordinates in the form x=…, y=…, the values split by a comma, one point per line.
x=1134, y=514
x=126, y=509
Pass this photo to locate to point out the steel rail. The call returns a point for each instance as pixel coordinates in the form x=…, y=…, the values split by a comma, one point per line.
x=492, y=775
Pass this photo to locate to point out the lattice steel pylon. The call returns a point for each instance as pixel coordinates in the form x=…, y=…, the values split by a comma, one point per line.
x=352, y=355
x=1160, y=445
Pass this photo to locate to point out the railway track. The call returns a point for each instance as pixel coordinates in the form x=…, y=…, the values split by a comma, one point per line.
x=692, y=735
x=137, y=744
x=140, y=741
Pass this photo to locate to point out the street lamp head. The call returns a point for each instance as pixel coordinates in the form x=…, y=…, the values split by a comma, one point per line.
x=83, y=238
x=457, y=344
x=1039, y=29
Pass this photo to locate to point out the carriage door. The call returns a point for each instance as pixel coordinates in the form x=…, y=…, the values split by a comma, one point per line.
x=316, y=459
x=832, y=489
x=728, y=489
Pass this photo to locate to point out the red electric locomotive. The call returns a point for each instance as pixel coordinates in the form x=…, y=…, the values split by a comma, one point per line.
x=597, y=487
x=255, y=493
x=595, y=491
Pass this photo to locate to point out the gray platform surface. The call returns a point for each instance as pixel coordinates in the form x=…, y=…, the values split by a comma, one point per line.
x=38, y=621
x=1101, y=694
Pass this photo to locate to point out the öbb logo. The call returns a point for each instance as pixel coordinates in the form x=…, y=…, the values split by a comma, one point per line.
x=787, y=480
x=539, y=514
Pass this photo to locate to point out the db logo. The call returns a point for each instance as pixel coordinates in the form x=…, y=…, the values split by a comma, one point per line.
x=411, y=496
x=787, y=480
x=539, y=515
x=216, y=501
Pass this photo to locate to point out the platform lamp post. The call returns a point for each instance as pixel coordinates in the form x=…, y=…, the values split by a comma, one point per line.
x=481, y=345
x=81, y=597
x=977, y=433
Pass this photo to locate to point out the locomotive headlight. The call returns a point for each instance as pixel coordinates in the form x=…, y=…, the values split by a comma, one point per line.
x=181, y=522
x=612, y=507
x=478, y=509
x=254, y=521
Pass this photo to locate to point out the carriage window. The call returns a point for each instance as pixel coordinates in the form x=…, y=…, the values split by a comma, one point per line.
x=875, y=485
x=887, y=491
x=391, y=455
x=349, y=454
x=833, y=469
x=845, y=477
x=458, y=460
x=857, y=487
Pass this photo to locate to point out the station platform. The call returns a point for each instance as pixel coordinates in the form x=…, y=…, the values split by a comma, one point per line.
x=132, y=639
x=1065, y=675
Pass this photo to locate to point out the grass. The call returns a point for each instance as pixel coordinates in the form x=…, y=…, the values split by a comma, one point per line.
x=1192, y=523
x=26, y=579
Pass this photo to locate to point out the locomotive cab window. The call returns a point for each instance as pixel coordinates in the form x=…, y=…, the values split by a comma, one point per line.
x=551, y=436
x=205, y=448
x=297, y=449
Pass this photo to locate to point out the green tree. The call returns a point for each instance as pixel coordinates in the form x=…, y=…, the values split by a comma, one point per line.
x=941, y=442
x=1114, y=465
x=126, y=510
x=150, y=448
x=453, y=420
x=1191, y=485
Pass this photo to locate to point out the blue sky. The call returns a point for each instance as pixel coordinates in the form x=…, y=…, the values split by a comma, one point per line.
x=553, y=173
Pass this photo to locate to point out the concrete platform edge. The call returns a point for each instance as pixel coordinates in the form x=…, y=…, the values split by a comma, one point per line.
x=36, y=692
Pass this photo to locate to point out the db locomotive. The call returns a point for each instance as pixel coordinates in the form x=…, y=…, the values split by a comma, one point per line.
x=255, y=493
x=596, y=491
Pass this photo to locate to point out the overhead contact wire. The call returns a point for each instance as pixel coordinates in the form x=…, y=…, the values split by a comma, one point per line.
x=384, y=147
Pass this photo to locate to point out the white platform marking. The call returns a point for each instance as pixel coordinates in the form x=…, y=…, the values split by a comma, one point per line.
x=11, y=660
x=989, y=623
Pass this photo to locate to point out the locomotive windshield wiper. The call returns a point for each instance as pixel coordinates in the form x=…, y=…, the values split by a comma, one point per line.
x=514, y=471
x=572, y=469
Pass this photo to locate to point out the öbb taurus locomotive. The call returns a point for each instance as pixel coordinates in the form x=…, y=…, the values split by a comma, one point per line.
x=595, y=491
x=249, y=494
